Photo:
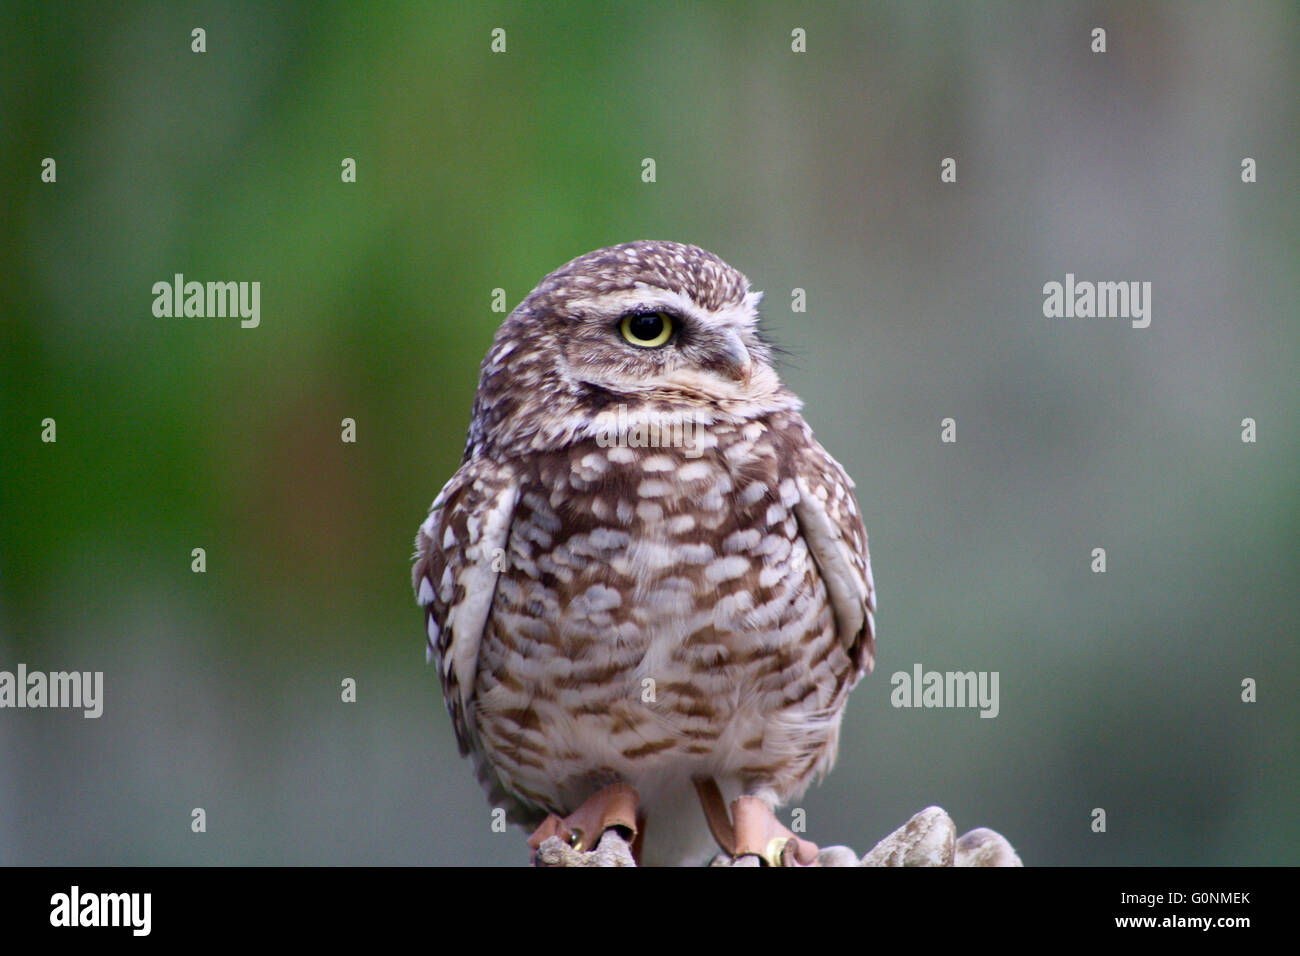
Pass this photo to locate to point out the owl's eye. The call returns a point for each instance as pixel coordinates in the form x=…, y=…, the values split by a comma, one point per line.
x=647, y=329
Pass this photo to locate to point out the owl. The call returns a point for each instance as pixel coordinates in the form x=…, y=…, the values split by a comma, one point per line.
x=647, y=587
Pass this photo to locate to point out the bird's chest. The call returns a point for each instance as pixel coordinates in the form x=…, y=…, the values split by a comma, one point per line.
x=657, y=615
x=629, y=569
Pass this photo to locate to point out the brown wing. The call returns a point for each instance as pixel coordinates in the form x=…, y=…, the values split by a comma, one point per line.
x=459, y=552
x=832, y=527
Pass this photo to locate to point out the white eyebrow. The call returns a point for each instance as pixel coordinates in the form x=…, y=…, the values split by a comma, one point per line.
x=652, y=298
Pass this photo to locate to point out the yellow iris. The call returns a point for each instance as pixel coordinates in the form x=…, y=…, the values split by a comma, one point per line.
x=647, y=330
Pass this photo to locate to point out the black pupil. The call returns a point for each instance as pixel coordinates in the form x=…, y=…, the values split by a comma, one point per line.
x=647, y=328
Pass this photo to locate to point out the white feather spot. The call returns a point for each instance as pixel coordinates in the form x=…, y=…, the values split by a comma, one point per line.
x=738, y=452
x=596, y=599
x=789, y=493
x=753, y=493
x=724, y=569
x=741, y=540
x=694, y=471
x=609, y=539
x=695, y=553
x=704, y=440
x=681, y=524
x=730, y=607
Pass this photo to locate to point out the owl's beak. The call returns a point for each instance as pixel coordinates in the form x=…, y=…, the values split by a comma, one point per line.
x=736, y=360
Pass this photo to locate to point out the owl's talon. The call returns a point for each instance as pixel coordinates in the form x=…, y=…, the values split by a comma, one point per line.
x=756, y=830
x=752, y=829
x=552, y=826
x=613, y=808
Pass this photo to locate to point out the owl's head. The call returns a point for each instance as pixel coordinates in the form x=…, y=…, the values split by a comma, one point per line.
x=646, y=323
x=652, y=317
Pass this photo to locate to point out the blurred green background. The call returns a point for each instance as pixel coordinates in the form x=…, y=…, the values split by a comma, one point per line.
x=817, y=170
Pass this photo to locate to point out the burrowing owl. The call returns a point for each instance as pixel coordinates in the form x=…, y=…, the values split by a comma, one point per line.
x=646, y=572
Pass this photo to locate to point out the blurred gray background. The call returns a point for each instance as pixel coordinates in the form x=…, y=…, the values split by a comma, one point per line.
x=817, y=170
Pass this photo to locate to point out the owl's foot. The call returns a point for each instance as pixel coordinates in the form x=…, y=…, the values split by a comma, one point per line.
x=752, y=830
x=613, y=808
x=757, y=831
